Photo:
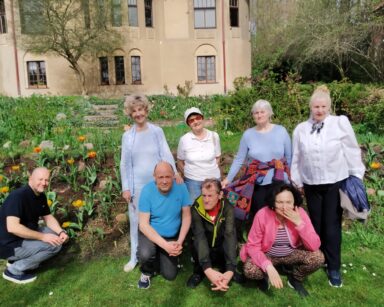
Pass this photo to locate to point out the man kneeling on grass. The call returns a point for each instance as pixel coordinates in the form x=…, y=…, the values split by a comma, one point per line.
x=214, y=238
x=164, y=221
x=22, y=242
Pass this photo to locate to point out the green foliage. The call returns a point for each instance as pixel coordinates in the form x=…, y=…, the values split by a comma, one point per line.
x=23, y=118
x=322, y=40
x=363, y=104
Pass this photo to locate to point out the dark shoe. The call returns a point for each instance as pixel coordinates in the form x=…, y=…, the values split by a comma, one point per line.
x=287, y=269
x=263, y=284
x=298, y=286
x=238, y=278
x=194, y=281
x=19, y=279
x=144, y=281
x=9, y=263
x=334, y=278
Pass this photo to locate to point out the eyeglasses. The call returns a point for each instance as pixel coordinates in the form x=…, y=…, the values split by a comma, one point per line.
x=194, y=118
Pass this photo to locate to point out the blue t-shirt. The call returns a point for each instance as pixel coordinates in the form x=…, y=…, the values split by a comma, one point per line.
x=165, y=210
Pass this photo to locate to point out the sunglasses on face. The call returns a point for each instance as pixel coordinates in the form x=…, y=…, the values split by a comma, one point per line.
x=194, y=118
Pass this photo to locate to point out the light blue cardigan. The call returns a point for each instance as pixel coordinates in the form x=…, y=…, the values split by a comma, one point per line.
x=126, y=166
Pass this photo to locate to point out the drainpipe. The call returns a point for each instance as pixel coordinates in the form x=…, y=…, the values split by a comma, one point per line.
x=15, y=49
x=223, y=45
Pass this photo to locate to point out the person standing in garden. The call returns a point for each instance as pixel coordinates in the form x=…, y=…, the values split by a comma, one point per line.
x=143, y=146
x=214, y=238
x=164, y=221
x=325, y=152
x=266, y=151
x=22, y=242
x=198, y=153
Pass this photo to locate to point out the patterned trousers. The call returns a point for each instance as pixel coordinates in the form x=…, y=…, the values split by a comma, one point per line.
x=303, y=262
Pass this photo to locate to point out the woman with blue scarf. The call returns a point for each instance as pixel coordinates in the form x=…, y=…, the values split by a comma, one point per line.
x=143, y=146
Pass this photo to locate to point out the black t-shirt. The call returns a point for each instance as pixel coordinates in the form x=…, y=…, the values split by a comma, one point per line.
x=26, y=205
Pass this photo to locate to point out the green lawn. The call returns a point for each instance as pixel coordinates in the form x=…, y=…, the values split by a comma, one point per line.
x=102, y=282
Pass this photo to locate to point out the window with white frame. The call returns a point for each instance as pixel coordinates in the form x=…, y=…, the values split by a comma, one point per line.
x=104, y=73
x=119, y=70
x=132, y=13
x=234, y=13
x=206, y=69
x=205, y=14
x=37, y=76
x=3, y=19
x=136, y=69
x=148, y=13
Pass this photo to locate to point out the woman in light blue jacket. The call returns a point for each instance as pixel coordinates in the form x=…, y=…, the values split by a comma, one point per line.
x=143, y=146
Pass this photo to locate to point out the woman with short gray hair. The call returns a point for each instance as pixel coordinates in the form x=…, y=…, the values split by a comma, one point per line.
x=265, y=150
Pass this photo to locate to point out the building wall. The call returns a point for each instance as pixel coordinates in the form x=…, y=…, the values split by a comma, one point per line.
x=168, y=53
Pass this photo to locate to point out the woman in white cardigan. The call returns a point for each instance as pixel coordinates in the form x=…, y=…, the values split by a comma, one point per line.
x=325, y=152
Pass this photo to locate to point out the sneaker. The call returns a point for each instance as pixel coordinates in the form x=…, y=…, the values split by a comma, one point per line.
x=19, y=279
x=298, y=286
x=263, y=284
x=144, y=281
x=194, y=281
x=129, y=266
x=334, y=278
x=9, y=263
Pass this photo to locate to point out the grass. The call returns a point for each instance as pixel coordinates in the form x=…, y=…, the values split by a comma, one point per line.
x=102, y=282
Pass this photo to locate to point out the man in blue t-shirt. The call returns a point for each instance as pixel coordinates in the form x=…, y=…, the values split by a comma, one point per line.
x=22, y=242
x=164, y=220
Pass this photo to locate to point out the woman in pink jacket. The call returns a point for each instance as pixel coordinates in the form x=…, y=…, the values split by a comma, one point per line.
x=282, y=234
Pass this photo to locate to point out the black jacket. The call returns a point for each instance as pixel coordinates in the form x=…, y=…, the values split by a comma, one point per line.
x=220, y=235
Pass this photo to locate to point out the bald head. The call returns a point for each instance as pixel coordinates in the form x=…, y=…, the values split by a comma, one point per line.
x=164, y=175
x=39, y=179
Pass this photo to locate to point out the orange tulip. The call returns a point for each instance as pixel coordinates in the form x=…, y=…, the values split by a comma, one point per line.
x=376, y=165
x=37, y=149
x=81, y=138
x=4, y=190
x=92, y=154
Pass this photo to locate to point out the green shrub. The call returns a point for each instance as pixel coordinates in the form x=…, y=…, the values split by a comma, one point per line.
x=26, y=117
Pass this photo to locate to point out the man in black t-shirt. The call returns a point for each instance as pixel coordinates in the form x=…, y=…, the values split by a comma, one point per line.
x=22, y=242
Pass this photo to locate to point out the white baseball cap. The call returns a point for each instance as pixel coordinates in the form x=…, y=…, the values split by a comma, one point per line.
x=191, y=111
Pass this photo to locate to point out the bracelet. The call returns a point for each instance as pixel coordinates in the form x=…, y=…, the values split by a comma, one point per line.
x=62, y=232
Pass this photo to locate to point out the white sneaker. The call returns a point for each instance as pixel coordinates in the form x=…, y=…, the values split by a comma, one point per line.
x=129, y=266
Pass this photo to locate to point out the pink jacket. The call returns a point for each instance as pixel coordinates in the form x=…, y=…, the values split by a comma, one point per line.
x=263, y=233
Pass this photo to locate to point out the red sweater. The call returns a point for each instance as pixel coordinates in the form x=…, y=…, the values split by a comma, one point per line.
x=263, y=233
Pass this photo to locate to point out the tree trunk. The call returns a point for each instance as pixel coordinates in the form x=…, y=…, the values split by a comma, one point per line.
x=80, y=76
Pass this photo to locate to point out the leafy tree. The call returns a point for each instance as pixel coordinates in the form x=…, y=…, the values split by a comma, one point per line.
x=335, y=32
x=321, y=34
x=71, y=29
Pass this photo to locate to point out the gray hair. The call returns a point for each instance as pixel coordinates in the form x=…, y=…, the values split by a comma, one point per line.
x=135, y=100
x=262, y=104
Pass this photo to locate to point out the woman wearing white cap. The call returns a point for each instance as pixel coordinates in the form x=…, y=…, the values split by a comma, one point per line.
x=198, y=153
